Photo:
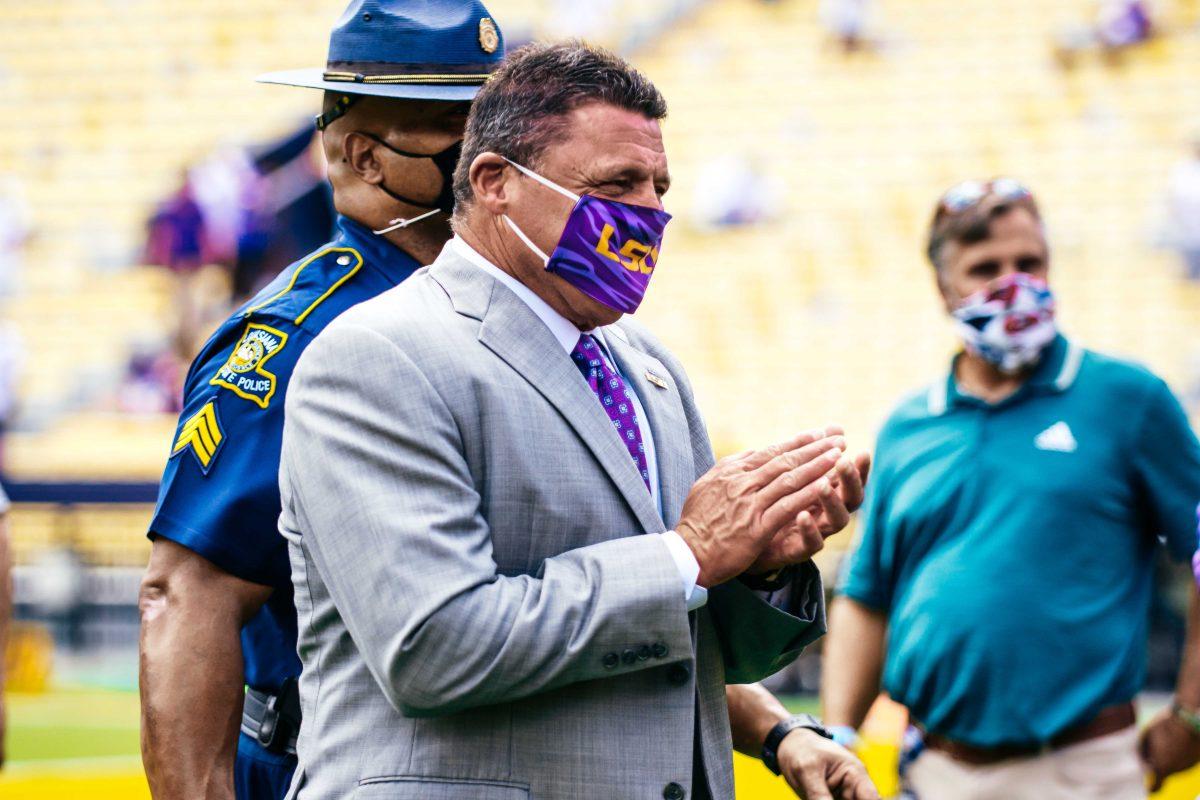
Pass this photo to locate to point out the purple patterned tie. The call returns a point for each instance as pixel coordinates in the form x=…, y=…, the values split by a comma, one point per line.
x=609, y=387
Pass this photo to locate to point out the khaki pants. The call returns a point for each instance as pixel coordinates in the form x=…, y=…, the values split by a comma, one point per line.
x=1106, y=768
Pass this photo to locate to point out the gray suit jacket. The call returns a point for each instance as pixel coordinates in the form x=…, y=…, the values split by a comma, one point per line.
x=480, y=615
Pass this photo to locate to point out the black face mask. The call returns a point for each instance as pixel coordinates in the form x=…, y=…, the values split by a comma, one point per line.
x=445, y=161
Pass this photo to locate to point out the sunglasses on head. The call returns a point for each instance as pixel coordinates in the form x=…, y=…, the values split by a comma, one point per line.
x=968, y=194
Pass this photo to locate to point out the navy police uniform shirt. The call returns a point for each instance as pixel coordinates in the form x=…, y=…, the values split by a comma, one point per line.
x=220, y=491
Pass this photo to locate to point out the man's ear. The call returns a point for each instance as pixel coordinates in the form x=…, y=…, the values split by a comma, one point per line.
x=949, y=301
x=361, y=156
x=489, y=182
x=940, y=265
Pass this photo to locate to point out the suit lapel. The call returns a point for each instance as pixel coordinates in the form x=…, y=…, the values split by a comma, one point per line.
x=668, y=422
x=514, y=333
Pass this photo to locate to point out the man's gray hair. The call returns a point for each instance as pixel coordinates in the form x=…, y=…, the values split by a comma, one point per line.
x=971, y=226
x=523, y=107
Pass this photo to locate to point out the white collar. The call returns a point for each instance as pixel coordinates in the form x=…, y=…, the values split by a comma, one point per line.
x=563, y=329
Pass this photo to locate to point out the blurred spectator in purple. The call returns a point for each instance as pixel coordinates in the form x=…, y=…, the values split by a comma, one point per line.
x=177, y=239
x=1183, y=209
x=1117, y=26
x=176, y=231
x=1122, y=23
x=153, y=381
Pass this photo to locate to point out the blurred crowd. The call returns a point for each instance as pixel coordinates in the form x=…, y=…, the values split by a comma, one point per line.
x=240, y=214
x=235, y=219
x=1115, y=26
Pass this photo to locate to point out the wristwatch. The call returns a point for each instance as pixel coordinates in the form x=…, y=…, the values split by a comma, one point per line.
x=770, y=751
x=1189, y=718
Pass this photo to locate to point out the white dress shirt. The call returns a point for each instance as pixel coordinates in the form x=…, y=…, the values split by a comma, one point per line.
x=568, y=336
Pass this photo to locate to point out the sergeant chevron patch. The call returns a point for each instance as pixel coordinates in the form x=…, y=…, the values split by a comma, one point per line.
x=202, y=435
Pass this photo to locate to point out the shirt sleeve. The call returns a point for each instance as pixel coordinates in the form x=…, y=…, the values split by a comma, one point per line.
x=689, y=569
x=1166, y=468
x=219, y=495
x=865, y=575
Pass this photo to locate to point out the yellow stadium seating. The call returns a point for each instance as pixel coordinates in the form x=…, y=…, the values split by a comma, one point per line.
x=825, y=314
x=830, y=313
x=108, y=102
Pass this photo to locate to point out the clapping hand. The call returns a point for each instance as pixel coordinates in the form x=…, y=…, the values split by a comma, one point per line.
x=764, y=509
x=840, y=494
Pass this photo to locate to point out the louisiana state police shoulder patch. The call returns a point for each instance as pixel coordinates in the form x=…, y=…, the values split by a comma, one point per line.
x=244, y=373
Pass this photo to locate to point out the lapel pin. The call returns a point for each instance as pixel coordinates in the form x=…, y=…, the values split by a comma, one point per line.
x=656, y=380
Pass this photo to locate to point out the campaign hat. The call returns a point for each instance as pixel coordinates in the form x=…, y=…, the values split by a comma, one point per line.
x=410, y=49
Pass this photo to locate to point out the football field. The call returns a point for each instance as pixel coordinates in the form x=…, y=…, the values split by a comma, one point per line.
x=74, y=743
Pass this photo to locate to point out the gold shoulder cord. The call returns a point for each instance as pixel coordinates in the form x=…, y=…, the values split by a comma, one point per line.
x=358, y=77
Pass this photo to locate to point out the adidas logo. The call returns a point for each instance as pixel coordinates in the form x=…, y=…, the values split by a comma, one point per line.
x=1057, y=437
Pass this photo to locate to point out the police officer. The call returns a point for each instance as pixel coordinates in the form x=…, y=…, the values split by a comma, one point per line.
x=218, y=650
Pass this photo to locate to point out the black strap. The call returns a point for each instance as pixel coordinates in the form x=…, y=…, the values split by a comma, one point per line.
x=770, y=751
x=273, y=719
x=340, y=107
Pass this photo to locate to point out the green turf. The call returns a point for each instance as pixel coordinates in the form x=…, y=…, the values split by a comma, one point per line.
x=90, y=723
x=72, y=724
x=101, y=723
x=801, y=704
x=38, y=744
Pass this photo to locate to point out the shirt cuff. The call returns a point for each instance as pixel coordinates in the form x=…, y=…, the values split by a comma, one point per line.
x=689, y=569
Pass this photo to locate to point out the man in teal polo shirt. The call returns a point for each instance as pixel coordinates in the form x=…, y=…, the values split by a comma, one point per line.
x=1003, y=575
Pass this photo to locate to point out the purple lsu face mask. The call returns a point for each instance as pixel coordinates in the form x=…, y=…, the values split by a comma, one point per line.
x=608, y=250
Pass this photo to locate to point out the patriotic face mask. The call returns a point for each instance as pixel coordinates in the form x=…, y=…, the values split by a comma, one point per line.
x=1009, y=322
x=608, y=250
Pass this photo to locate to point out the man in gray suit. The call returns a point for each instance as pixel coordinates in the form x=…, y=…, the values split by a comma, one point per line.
x=518, y=572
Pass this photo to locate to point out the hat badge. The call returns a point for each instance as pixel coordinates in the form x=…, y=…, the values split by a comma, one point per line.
x=489, y=37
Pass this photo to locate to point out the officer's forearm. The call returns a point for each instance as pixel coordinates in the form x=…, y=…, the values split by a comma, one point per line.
x=192, y=689
x=852, y=662
x=190, y=675
x=1187, y=690
x=753, y=711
